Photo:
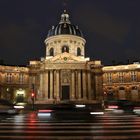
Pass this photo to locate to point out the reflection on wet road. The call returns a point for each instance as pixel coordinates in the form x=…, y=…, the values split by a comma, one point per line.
x=103, y=127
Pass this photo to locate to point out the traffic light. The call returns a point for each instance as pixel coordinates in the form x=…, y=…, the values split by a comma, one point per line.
x=33, y=95
x=33, y=99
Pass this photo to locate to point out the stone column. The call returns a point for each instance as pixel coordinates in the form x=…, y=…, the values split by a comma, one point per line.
x=51, y=84
x=76, y=84
x=46, y=84
x=41, y=87
x=57, y=85
x=54, y=84
x=73, y=84
x=89, y=85
x=79, y=84
x=84, y=85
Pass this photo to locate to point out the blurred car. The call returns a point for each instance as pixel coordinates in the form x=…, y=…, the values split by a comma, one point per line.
x=65, y=111
x=6, y=107
x=20, y=105
x=119, y=106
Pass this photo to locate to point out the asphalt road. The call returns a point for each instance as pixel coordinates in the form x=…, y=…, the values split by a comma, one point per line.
x=102, y=127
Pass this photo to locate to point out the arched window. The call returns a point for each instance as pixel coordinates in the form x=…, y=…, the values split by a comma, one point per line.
x=134, y=88
x=51, y=52
x=65, y=49
x=121, y=88
x=78, y=51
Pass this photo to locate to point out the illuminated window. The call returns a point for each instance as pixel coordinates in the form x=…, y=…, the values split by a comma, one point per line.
x=51, y=52
x=78, y=52
x=134, y=88
x=109, y=77
x=21, y=78
x=121, y=88
x=8, y=77
x=133, y=76
x=121, y=77
x=65, y=49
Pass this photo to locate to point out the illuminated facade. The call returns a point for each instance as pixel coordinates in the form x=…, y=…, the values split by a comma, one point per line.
x=14, y=83
x=122, y=82
x=64, y=74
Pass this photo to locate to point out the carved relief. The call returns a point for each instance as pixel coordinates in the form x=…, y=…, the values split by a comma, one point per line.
x=65, y=66
x=65, y=77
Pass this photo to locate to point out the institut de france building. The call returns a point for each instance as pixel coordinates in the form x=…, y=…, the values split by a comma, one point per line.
x=65, y=74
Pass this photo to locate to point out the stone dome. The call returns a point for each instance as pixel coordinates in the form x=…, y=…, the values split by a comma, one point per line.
x=65, y=27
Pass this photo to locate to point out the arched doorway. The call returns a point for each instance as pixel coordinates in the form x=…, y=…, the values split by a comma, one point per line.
x=134, y=93
x=110, y=93
x=20, y=95
x=122, y=95
x=78, y=51
x=65, y=49
x=65, y=92
x=51, y=52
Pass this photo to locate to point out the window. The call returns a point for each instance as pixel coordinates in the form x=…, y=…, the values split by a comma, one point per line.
x=109, y=77
x=121, y=77
x=133, y=76
x=51, y=52
x=21, y=78
x=65, y=49
x=121, y=88
x=78, y=52
x=134, y=88
x=8, y=77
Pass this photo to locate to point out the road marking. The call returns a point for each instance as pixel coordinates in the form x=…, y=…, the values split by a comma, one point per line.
x=68, y=131
x=72, y=137
x=101, y=128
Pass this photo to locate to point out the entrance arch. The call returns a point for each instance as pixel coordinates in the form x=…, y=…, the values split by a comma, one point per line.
x=122, y=93
x=20, y=95
x=65, y=92
x=134, y=94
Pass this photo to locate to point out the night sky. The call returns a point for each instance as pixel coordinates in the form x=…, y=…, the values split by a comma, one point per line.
x=110, y=27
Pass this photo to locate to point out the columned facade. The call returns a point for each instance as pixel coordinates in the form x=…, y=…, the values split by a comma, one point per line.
x=65, y=74
x=66, y=82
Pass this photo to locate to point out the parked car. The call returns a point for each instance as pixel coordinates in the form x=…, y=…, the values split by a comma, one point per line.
x=119, y=106
x=6, y=107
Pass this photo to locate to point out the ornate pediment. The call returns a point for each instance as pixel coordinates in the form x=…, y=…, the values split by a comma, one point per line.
x=66, y=58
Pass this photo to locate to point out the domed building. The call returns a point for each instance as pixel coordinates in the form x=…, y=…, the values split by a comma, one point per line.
x=64, y=74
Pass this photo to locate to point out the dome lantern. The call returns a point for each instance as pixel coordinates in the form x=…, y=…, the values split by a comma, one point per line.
x=64, y=18
x=65, y=27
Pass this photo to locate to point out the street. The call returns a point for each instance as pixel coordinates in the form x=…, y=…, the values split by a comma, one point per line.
x=101, y=127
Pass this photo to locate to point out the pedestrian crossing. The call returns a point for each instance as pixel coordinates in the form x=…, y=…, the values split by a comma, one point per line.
x=105, y=127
